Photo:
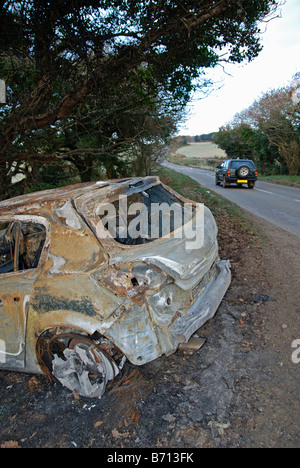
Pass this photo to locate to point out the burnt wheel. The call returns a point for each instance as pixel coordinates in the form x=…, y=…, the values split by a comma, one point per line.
x=79, y=364
x=84, y=369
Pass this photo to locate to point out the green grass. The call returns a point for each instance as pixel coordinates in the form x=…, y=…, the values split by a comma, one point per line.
x=190, y=162
x=291, y=181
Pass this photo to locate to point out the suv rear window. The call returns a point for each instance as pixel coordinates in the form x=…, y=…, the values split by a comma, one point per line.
x=237, y=164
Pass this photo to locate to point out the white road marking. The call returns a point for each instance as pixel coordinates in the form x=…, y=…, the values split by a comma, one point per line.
x=265, y=191
x=297, y=201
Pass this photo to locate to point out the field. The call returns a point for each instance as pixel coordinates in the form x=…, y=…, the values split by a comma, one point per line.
x=203, y=155
x=202, y=150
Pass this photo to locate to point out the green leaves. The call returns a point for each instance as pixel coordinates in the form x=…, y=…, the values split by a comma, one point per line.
x=268, y=132
x=119, y=63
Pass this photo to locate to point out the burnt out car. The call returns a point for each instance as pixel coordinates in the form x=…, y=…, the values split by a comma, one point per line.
x=84, y=286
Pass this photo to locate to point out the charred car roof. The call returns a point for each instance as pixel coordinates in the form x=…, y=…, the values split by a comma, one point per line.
x=41, y=202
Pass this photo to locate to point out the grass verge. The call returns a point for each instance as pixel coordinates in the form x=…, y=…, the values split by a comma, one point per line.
x=201, y=163
x=291, y=181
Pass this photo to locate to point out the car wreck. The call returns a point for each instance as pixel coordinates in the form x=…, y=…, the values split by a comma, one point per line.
x=90, y=277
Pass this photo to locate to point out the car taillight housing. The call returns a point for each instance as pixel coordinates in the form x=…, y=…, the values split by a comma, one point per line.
x=256, y=173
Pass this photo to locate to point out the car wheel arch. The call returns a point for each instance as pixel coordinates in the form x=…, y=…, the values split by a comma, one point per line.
x=58, y=348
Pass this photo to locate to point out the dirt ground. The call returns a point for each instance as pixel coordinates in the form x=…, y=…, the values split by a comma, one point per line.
x=240, y=390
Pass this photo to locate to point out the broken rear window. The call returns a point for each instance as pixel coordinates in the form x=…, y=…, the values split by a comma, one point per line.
x=144, y=216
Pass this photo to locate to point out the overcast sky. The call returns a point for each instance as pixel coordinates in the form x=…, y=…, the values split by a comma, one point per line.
x=273, y=68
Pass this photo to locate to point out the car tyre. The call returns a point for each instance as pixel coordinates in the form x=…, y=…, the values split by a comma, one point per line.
x=243, y=172
x=225, y=183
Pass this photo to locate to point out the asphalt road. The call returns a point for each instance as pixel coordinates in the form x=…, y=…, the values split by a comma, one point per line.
x=277, y=204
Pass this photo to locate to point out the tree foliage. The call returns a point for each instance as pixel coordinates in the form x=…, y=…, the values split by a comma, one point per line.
x=268, y=131
x=89, y=77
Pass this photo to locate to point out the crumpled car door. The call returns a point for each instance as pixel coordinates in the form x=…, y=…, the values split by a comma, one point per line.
x=16, y=286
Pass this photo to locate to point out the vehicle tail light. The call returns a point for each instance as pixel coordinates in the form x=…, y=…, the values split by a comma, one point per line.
x=228, y=173
x=256, y=173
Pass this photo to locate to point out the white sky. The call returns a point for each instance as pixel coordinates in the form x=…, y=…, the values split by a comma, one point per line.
x=273, y=68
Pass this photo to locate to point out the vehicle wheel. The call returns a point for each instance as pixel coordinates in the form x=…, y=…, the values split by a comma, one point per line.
x=251, y=185
x=217, y=181
x=84, y=369
x=225, y=183
x=79, y=364
x=243, y=172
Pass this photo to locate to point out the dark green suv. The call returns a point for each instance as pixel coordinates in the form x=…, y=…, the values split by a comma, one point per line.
x=236, y=171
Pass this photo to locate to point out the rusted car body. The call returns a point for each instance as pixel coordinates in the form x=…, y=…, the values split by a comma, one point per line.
x=68, y=294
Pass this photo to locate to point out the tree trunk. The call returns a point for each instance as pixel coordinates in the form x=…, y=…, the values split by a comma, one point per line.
x=291, y=154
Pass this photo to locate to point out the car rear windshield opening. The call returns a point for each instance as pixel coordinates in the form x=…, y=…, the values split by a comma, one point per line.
x=237, y=164
x=158, y=214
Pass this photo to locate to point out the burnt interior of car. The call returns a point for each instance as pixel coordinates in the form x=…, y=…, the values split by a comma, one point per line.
x=21, y=245
x=155, y=227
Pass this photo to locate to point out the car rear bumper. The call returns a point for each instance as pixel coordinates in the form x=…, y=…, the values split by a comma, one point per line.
x=236, y=179
x=204, y=308
x=143, y=338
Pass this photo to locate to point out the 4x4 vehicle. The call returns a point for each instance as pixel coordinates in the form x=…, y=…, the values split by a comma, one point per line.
x=77, y=297
x=236, y=171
